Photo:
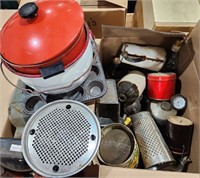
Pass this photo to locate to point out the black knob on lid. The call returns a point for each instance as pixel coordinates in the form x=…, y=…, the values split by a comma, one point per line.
x=28, y=10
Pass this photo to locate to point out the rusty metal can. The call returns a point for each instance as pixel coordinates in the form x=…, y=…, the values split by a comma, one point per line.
x=118, y=146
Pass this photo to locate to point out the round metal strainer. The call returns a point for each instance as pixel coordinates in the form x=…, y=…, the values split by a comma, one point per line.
x=61, y=138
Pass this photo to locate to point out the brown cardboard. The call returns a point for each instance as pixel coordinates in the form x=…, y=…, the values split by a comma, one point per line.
x=95, y=18
x=142, y=36
x=5, y=88
x=129, y=20
x=5, y=15
x=103, y=3
x=190, y=79
x=189, y=75
x=116, y=172
x=98, y=13
x=5, y=93
x=167, y=15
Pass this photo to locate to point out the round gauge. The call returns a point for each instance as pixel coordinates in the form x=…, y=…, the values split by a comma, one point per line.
x=178, y=102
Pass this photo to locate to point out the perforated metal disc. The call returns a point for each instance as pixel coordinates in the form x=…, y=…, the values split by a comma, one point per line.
x=61, y=138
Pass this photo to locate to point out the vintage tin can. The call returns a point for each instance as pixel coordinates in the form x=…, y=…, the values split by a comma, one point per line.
x=161, y=86
x=111, y=148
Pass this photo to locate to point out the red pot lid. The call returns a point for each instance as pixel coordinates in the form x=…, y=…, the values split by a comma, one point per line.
x=39, y=33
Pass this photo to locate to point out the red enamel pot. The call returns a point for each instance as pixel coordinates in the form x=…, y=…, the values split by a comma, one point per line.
x=42, y=35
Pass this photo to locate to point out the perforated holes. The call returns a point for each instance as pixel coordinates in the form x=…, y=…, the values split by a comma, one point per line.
x=62, y=137
x=147, y=138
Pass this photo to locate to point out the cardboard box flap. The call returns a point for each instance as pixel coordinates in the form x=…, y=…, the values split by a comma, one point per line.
x=195, y=39
x=186, y=55
x=122, y=3
x=5, y=15
x=108, y=172
x=114, y=37
x=103, y=3
x=115, y=31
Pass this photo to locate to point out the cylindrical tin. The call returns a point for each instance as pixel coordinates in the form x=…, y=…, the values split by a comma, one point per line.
x=118, y=146
x=179, y=132
x=154, y=150
x=131, y=86
x=161, y=86
x=160, y=111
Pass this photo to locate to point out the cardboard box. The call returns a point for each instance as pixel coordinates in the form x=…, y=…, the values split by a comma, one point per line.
x=129, y=20
x=5, y=88
x=167, y=15
x=5, y=15
x=190, y=75
x=98, y=13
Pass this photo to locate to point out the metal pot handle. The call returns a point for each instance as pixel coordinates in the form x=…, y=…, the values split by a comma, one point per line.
x=4, y=75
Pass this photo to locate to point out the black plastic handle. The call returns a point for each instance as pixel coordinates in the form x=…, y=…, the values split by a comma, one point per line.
x=28, y=10
x=52, y=70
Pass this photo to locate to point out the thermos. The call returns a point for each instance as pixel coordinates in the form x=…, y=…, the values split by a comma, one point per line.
x=131, y=86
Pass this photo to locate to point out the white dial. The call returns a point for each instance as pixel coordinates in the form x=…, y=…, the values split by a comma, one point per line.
x=178, y=102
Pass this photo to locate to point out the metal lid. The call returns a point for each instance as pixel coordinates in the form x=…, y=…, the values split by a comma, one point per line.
x=61, y=138
x=161, y=76
x=41, y=31
x=116, y=146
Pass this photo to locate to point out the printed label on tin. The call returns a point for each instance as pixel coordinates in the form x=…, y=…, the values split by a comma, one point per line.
x=17, y=148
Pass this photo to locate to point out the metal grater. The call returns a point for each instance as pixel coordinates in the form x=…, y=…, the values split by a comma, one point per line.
x=155, y=152
x=61, y=138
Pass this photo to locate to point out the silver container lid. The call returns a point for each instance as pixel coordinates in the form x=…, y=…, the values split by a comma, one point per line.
x=61, y=138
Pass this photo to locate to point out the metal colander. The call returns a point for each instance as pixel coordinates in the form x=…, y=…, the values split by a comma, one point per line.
x=61, y=138
x=155, y=152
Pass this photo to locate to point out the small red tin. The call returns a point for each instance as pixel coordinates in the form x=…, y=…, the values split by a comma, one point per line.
x=161, y=86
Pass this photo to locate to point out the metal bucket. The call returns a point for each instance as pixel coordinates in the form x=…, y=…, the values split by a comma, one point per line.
x=118, y=146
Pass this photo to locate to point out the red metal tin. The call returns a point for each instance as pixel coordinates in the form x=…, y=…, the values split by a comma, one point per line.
x=161, y=86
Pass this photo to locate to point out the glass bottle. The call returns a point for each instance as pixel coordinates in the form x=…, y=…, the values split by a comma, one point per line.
x=116, y=70
x=171, y=64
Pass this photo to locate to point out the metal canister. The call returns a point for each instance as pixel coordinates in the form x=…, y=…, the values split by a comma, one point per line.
x=161, y=86
x=118, y=146
x=179, y=135
x=160, y=111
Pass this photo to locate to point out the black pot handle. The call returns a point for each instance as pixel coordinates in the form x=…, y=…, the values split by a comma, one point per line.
x=52, y=70
x=28, y=10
